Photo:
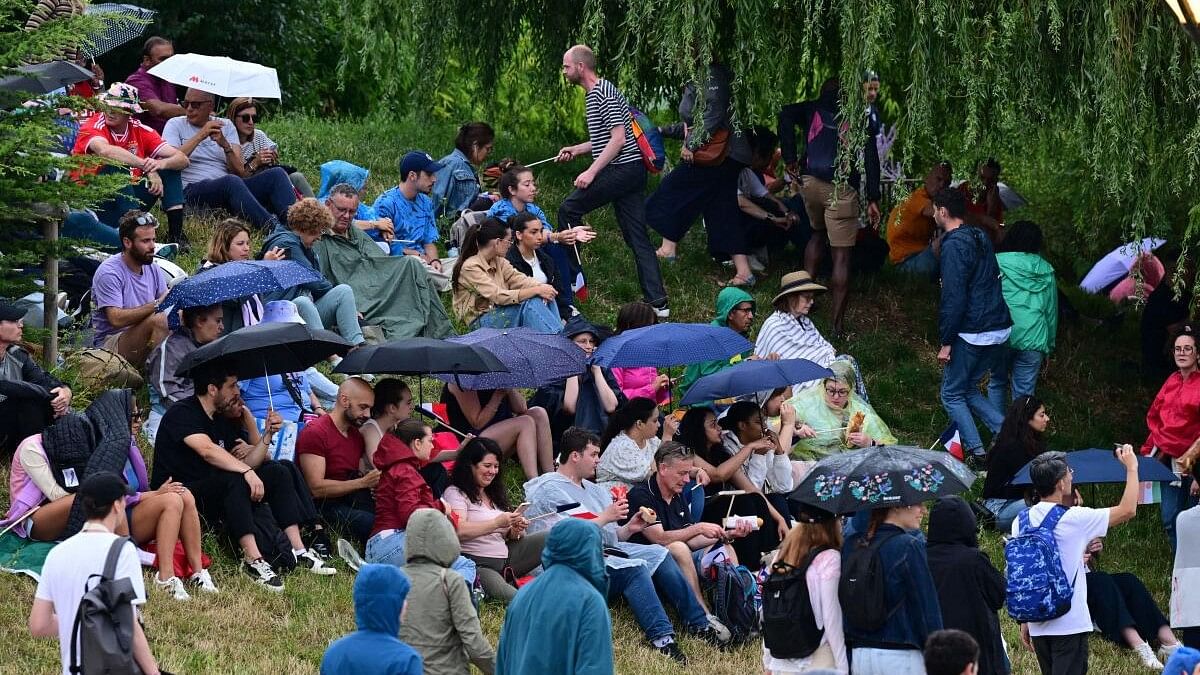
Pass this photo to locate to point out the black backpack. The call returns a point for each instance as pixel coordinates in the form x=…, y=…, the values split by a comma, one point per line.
x=272, y=543
x=102, y=637
x=788, y=624
x=862, y=590
x=731, y=596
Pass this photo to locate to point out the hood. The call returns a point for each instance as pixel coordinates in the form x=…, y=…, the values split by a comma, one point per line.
x=109, y=414
x=951, y=521
x=341, y=171
x=534, y=484
x=379, y=593
x=393, y=453
x=727, y=299
x=1026, y=271
x=282, y=237
x=577, y=545
x=430, y=536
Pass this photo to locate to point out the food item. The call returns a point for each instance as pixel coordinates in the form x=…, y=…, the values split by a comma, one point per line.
x=856, y=425
x=619, y=492
x=732, y=522
x=678, y=414
x=648, y=515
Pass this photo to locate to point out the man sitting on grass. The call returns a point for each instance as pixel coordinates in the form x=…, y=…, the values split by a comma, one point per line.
x=126, y=289
x=410, y=209
x=24, y=412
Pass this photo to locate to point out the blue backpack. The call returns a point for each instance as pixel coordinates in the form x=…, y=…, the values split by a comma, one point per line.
x=1037, y=586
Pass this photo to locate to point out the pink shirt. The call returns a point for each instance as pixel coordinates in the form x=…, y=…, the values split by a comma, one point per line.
x=640, y=382
x=491, y=545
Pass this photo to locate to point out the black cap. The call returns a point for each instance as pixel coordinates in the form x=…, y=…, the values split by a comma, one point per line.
x=812, y=514
x=104, y=487
x=10, y=312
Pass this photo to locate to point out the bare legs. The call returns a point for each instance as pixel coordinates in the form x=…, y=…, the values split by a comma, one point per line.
x=683, y=557
x=528, y=435
x=50, y=520
x=840, y=280
x=137, y=340
x=166, y=518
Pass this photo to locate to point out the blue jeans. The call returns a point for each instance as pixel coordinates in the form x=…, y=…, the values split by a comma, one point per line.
x=695, y=500
x=84, y=225
x=1175, y=500
x=1016, y=369
x=1005, y=510
x=337, y=308
x=960, y=391
x=390, y=551
x=870, y=661
x=256, y=198
x=924, y=264
x=536, y=313
x=635, y=584
x=669, y=580
x=137, y=196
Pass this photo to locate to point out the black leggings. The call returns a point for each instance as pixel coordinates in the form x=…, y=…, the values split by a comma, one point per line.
x=1119, y=601
x=750, y=548
x=225, y=497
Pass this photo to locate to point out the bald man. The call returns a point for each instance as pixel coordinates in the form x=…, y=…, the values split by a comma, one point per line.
x=330, y=453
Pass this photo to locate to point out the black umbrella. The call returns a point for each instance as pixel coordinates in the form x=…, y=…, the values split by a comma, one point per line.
x=41, y=78
x=882, y=477
x=122, y=23
x=420, y=356
x=267, y=349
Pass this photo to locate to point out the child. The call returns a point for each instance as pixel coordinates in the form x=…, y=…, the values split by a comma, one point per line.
x=379, y=599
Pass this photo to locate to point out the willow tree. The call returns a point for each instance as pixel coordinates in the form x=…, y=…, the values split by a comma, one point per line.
x=1091, y=104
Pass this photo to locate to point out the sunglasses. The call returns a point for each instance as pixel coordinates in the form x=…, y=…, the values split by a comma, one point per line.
x=188, y=105
x=248, y=118
x=146, y=219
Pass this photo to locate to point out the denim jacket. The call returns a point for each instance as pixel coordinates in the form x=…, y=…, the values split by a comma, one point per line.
x=910, y=590
x=456, y=185
x=972, y=296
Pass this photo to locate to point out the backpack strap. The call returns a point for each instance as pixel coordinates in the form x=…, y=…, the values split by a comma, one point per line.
x=1051, y=520
x=114, y=555
x=110, y=571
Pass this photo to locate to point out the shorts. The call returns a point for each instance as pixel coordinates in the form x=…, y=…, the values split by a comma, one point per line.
x=840, y=219
x=110, y=342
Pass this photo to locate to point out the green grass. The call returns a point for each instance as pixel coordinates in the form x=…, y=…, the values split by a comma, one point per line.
x=1092, y=389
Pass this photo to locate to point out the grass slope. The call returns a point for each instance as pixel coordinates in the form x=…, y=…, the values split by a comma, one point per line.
x=1092, y=390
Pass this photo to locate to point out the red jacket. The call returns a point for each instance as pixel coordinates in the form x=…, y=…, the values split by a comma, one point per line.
x=1174, y=417
x=401, y=488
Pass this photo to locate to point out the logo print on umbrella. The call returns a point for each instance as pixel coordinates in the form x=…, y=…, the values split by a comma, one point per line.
x=871, y=488
x=828, y=487
x=925, y=479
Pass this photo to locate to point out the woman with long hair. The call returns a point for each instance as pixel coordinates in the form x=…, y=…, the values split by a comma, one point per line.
x=490, y=293
x=491, y=532
x=457, y=185
x=1031, y=294
x=630, y=442
x=1022, y=437
x=504, y=416
x=259, y=152
x=646, y=381
x=820, y=532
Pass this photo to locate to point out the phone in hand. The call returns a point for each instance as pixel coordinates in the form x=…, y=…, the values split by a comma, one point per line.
x=520, y=510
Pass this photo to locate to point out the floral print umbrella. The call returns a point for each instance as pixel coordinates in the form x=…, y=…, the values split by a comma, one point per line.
x=882, y=477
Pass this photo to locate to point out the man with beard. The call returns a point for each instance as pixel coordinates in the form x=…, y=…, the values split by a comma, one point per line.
x=330, y=453
x=125, y=291
x=200, y=446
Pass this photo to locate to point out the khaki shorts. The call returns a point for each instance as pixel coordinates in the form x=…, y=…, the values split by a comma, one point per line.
x=839, y=219
x=110, y=342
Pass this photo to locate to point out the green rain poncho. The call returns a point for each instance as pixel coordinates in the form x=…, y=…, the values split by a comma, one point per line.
x=813, y=410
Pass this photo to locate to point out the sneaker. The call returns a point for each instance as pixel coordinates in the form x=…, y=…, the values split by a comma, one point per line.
x=719, y=629
x=663, y=312
x=672, y=650
x=710, y=635
x=1166, y=651
x=313, y=563
x=173, y=586
x=319, y=543
x=1146, y=656
x=347, y=552
x=262, y=574
x=201, y=580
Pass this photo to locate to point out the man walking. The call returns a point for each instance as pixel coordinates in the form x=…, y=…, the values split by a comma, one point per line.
x=616, y=174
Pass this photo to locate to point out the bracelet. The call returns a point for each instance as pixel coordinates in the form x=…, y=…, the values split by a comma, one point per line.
x=247, y=471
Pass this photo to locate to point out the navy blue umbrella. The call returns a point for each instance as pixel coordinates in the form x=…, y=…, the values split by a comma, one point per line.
x=751, y=376
x=533, y=359
x=670, y=344
x=237, y=279
x=1102, y=466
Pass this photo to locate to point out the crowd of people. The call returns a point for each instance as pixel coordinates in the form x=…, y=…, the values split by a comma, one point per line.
x=622, y=500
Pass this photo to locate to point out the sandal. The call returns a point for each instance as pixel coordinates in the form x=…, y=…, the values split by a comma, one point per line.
x=742, y=281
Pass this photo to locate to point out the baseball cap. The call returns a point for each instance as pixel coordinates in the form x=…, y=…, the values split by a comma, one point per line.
x=104, y=487
x=418, y=161
x=10, y=312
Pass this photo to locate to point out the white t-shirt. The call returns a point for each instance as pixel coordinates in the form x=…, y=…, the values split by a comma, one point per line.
x=538, y=273
x=207, y=161
x=1078, y=526
x=67, y=569
x=750, y=185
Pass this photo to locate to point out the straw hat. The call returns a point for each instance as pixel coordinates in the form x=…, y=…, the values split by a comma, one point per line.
x=797, y=282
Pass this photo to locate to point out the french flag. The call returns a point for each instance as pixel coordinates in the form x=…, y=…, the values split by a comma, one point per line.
x=580, y=512
x=952, y=442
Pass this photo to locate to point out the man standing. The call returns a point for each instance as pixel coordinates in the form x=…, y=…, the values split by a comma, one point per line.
x=616, y=174
x=832, y=209
x=158, y=95
x=24, y=412
x=330, y=453
x=410, y=209
x=70, y=567
x=973, y=320
x=126, y=289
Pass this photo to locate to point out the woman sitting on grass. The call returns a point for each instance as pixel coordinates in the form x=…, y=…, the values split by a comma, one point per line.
x=258, y=151
x=490, y=293
x=646, y=381
x=630, y=442
x=492, y=534
x=826, y=412
x=585, y=400
x=503, y=416
x=529, y=257
x=1022, y=437
x=1125, y=612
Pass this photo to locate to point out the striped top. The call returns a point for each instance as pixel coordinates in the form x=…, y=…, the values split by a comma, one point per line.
x=606, y=108
x=793, y=338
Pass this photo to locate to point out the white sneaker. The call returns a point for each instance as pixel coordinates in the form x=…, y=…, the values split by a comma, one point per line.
x=203, y=581
x=261, y=572
x=174, y=586
x=719, y=628
x=347, y=552
x=313, y=563
x=662, y=312
x=1166, y=651
x=1146, y=656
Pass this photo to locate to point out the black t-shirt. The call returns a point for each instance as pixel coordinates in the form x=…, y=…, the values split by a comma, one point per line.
x=173, y=458
x=674, y=515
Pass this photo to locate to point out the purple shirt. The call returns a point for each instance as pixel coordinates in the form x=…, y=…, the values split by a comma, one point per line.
x=151, y=87
x=114, y=285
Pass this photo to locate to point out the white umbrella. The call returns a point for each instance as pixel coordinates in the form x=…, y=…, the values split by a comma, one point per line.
x=1008, y=196
x=219, y=75
x=1117, y=263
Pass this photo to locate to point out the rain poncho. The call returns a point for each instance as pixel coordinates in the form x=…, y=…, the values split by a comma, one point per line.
x=727, y=299
x=379, y=593
x=340, y=171
x=812, y=409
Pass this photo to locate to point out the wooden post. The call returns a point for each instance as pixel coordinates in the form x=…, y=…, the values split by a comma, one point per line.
x=50, y=296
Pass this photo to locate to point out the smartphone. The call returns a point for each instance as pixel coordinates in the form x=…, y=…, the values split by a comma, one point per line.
x=520, y=510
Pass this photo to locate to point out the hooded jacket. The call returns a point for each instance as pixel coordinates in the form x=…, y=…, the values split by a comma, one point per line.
x=375, y=649
x=340, y=171
x=972, y=300
x=970, y=589
x=295, y=250
x=1029, y=290
x=401, y=489
x=441, y=622
x=165, y=385
x=559, y=623
x=824, y=131
x=727, y=299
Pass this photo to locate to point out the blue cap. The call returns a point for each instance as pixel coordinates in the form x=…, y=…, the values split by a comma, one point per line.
x=418, y=161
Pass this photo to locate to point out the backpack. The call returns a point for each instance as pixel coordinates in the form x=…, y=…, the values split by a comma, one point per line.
x=102, y=637
x=732, y=591
x=1036, y=585
x=788, y=625
x=649, y=141
x=101, y=369
x=271, y=541
x=862, y=590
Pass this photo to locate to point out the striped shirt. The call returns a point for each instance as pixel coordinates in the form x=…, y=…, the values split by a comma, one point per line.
x=793, y=338
x=606, y=108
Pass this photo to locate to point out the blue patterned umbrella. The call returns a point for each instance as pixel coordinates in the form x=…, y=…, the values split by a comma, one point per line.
x=237, y=279
x=533, y=359
x=882, y=477
x=670, y=344
x=748, y=377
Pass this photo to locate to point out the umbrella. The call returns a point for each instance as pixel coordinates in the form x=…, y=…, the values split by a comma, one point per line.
x=1117, y=264
x=41, y=78
x=236, y=279
x=533, y=359
x=267, y=349
x=219, y=75
x=882, y=477
x=1101, y=466
x=670, y=344
x=122, y=24
x=420, y=356
x=753, y=376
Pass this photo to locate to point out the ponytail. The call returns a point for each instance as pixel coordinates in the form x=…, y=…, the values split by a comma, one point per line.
x=477, y=237
x=636, y=409
x=510, y=179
